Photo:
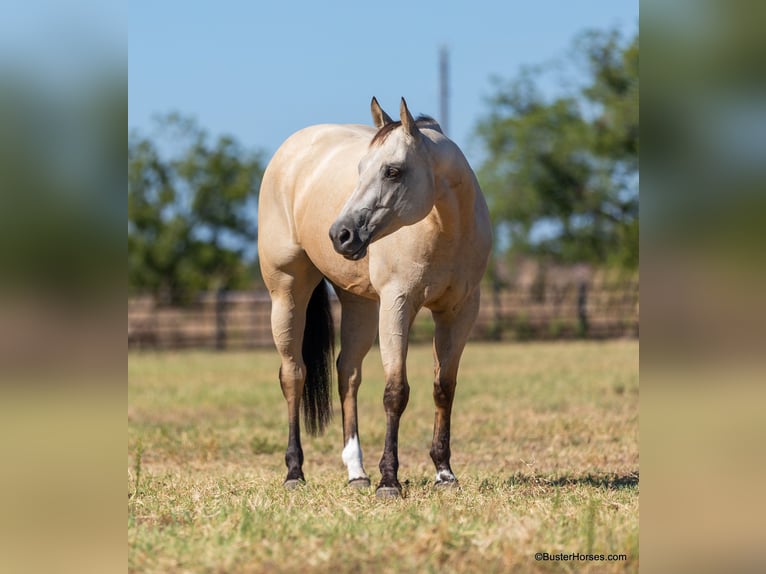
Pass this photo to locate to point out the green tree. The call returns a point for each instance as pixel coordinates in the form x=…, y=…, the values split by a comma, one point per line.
x=561, y=174
x=191, y=211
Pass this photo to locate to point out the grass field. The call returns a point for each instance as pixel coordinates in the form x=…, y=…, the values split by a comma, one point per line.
x=545, y=444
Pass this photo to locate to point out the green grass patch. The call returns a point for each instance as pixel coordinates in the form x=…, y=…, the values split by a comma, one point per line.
x=545, y=444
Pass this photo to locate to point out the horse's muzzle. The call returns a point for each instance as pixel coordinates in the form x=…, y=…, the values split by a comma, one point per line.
x=349, y=241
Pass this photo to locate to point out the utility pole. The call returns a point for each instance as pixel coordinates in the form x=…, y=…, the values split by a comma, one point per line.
x=444, y=89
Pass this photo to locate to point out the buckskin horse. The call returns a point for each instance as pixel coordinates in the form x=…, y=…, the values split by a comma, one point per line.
x=394, y=219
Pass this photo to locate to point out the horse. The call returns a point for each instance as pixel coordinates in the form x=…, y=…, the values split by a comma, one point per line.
x=393, y=218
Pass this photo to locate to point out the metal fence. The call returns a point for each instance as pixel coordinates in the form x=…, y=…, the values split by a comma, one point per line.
x=240, y=320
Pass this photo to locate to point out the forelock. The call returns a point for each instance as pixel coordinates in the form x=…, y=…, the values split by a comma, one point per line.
x=422, y=122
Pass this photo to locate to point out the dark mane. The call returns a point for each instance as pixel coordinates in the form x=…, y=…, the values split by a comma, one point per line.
x=422, y=121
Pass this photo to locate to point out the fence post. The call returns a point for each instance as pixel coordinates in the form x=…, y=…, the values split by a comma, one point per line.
x=220, y=319
x=582, y=309
x=497, y=312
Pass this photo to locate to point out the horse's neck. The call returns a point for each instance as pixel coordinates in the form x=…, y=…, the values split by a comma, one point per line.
x=456, y=185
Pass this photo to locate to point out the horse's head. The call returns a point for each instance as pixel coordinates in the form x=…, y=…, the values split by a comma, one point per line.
x=395, y=186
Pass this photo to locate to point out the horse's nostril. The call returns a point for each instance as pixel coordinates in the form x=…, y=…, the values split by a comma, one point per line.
x=344, y=236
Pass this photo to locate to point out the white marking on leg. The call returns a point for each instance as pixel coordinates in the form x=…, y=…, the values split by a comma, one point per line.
x=445, y=476
x=352, y=458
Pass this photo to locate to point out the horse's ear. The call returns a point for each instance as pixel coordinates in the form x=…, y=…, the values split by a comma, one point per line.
x=408, y=122
x=379, y=117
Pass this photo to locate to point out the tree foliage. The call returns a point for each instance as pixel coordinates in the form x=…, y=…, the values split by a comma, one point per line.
x=191, y=211
x=561, y=174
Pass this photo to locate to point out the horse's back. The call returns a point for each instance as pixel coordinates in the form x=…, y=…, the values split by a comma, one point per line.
x=310, y=146
x=304, y=157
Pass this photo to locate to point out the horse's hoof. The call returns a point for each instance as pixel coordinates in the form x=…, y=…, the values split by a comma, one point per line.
x=359, y=483
x=293, y=483
x=388, y=492
x=447, y=485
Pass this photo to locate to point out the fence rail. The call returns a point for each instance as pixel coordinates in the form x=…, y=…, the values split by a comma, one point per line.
x=241, y=320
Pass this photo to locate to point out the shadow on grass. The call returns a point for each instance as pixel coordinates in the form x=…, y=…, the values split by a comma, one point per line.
x=611, y=481
x=608, y=481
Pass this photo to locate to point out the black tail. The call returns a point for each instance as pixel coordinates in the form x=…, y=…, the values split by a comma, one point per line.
x=318, y=354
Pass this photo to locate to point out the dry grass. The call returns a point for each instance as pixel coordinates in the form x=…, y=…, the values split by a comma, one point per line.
x=545, y=443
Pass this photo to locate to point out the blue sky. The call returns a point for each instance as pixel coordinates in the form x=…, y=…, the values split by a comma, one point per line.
x=262, y=70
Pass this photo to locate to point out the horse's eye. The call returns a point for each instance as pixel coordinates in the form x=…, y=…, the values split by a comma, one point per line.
x=392, y=172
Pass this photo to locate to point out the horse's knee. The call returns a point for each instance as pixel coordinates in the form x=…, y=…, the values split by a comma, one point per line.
x=396, y=396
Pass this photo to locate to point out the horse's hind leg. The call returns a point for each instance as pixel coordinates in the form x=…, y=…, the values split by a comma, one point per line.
x=451, y=334
x=359, y=322
x=290, y=294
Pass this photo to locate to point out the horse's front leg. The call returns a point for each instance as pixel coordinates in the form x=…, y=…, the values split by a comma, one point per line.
x=396, y=314
x=451, y=334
